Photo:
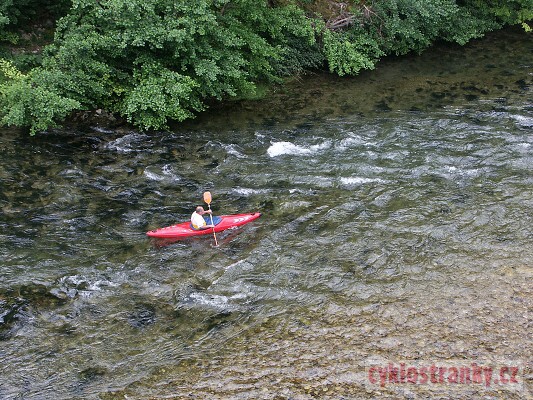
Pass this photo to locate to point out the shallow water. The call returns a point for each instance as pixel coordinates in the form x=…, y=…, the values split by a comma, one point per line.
x=397, y=213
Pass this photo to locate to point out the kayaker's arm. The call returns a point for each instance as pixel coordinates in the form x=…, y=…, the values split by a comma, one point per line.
x=208, y=225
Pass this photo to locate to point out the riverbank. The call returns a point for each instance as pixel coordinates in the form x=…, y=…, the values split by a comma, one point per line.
x=170, y=69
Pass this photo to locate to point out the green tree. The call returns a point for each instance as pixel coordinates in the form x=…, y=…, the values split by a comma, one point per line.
x=155, y=60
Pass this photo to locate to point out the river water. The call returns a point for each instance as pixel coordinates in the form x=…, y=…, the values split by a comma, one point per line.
x=397, y=212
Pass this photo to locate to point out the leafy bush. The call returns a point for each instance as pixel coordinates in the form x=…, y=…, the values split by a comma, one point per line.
x=32, y=101
x=349, y=52
x=373, y=29
x=155, y=60
x=504, y=12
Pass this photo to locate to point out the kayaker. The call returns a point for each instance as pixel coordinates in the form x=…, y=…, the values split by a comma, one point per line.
x=197, y=221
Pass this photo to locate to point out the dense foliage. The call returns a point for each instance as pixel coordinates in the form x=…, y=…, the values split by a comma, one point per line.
x=151, y=61
x=16, y=14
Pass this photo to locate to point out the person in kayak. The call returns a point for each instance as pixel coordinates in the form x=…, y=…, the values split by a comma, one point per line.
x=197, y=221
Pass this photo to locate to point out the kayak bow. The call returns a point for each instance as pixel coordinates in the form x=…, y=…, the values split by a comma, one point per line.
x=184, y=229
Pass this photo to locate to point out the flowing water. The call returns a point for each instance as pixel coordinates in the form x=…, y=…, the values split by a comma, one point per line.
x=397, y=212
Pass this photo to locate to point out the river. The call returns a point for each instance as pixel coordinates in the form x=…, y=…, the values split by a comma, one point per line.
x=396, y=229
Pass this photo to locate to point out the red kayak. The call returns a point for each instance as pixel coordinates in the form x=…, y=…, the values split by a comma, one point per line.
x=184, y=229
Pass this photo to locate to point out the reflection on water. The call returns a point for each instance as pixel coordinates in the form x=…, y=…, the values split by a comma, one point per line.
x=396, y=225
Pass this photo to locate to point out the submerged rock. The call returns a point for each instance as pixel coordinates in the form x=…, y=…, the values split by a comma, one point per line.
x=17, y=305
x=143, y=315
x=11, y=312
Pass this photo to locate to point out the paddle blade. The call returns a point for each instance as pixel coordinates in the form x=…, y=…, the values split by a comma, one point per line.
x=207, y=197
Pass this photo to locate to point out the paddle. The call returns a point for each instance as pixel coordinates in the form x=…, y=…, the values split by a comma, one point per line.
x=207, y=199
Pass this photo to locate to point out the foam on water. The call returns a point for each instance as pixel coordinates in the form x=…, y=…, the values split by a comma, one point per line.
x=127, y=143
x=215, y=301
x=234, y=150
x=153, y=176
x=353, y=141
x=248, y=191
x=357, y=180
x=83, y=285
x=167, y=173
x=523, y=121
x=288, y=148
x=450, y=169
